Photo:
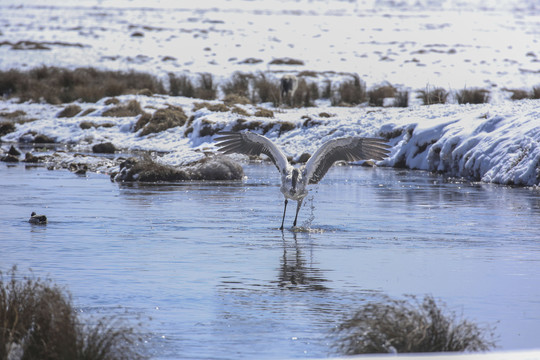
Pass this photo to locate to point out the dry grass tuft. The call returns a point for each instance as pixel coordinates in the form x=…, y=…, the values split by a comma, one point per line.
x=309, y=122
x=265, y=90
x=145, y=92
x=6, y=127
x=161, y=120
x=13, y=115
x=243, y=124
x=327, y=90
x=378, y=94
x=112, y=101
x=351, y=92
x=286, y=61
x=472, y=96
x=432, y=96
x=520, y=94
x=132, y=108
x=308, y=73
x=56, y=85
x=209, y=128
x=237, y=85
x=39, y=322
x=535, y=93
x=206, y=89
x=285, y=126
x=85, y=125
x=87, y=111
x=239, y=111
x=219, y=107
x=410, y=325
x=401, y=99
x=70, y=111
x=263, y=127
x=181, y=86
x=262, y=112
x=233, y=99
x=250, y=61
x=305, y=94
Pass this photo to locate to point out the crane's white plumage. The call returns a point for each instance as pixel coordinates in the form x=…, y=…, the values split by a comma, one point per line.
x=295, y=180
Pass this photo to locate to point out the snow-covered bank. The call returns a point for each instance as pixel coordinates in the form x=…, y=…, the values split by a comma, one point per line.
x=499, y=144
x=490, y=142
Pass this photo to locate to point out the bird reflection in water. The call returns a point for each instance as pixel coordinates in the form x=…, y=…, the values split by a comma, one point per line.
x=295, y=272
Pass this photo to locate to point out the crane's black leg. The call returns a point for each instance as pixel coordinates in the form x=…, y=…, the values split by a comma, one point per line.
x=284, y=210
x=298, y=206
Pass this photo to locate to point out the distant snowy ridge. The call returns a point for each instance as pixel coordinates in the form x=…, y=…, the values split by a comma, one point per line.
x=498, y=143
x=301, y=4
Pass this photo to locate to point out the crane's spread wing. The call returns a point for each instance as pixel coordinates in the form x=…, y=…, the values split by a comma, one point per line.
x=344, y=149
x=249, y=143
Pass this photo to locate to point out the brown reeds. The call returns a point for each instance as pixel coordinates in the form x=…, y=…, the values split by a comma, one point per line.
x=58, y=85
x=38, y=321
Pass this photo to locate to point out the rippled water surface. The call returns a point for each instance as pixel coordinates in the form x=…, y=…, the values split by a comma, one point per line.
x=205, y=270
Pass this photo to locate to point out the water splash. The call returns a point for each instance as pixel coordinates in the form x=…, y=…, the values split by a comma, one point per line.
x=309, y=203
x=306, y=225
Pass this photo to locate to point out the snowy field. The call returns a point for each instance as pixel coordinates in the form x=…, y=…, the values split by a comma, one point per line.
x=411, y=44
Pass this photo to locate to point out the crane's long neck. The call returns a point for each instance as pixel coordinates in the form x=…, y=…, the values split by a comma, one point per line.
x=294, y=179
x=292, y=185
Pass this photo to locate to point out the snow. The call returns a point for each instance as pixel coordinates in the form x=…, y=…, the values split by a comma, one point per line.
x=413, y=44
x=445, y=43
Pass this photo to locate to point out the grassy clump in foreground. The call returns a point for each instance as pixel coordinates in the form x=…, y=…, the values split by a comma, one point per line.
x=408, y=325
x=38, y=321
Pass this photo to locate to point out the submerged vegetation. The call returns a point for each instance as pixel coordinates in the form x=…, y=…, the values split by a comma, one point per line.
x=39, y=322
x=410, y=325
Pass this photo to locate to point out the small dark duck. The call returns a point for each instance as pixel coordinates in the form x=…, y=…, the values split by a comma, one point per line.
x=37, y=219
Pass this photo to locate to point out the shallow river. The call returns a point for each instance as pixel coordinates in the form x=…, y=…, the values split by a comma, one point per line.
x=205, y=271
